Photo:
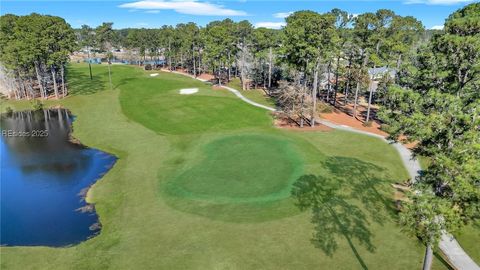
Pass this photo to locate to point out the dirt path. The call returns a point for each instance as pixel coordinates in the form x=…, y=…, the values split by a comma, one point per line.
x=448, y=244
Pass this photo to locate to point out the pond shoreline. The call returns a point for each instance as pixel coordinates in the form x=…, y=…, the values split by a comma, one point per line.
x=87, y=206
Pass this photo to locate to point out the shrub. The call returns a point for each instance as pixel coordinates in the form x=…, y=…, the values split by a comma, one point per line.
x=8, y=111
x=37, y=105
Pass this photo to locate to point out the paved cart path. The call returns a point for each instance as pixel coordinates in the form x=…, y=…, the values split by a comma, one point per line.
x=448, y=244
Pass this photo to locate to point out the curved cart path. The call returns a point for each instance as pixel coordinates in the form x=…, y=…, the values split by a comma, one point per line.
x=234, y=91
x=448, y=244
x=239, y=95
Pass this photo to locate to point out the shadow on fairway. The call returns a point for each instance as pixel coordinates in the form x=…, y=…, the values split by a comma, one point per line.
x=80, y=84
x=335, y=201
x=367, y=183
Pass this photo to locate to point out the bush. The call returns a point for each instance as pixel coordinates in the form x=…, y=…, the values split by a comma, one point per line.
x=148, y=67
x=8, y=111
x=37, y=105
x=385, y=127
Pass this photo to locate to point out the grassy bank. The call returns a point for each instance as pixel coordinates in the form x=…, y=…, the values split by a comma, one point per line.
x=257, y=95
x=468, y=238
x=202, y=183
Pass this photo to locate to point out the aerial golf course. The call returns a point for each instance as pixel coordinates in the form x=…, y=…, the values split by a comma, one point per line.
x=205, y=181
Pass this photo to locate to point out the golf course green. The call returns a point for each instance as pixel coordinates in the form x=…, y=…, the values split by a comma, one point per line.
x=204, y=181
x=228, y=172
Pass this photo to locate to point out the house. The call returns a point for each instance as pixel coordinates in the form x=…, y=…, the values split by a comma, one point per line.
x=376, y=74
x=325, y=78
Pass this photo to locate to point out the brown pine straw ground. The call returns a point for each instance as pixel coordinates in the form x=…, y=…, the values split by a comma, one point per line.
x=343, y=115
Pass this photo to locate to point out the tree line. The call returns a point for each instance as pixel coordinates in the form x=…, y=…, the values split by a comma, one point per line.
x=333, y=51
x=34, y=50
x=437, y=105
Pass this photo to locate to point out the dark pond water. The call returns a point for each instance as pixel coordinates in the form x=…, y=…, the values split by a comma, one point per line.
x=43, y=180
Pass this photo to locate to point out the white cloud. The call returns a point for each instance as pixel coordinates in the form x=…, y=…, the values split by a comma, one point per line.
x=354, y=15
x=152, y=11
x=437, y=2
x=437, y=27
x=191, y=7
x=282, y=14
x=271, y=25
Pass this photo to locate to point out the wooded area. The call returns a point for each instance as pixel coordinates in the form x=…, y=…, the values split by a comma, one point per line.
x=326, y=54
x=34, y=50
x=436, y=104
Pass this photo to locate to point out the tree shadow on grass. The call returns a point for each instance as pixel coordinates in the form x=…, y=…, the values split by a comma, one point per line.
x=367, y=183
x=335, y=201
x=332, y=215
x=79, y=82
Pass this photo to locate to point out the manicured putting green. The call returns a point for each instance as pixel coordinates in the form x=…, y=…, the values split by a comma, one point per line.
x=240, y=168
x=158, y=105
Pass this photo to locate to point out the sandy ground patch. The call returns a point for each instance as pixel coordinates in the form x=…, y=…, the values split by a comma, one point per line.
x=188, y=91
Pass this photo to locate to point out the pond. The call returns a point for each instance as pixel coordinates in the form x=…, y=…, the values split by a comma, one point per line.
x=44, y=178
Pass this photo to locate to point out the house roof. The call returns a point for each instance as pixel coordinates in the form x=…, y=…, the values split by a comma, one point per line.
x=380, y=71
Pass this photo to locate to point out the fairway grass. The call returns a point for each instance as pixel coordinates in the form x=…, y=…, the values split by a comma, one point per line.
x=161, y=108
x=150, y=127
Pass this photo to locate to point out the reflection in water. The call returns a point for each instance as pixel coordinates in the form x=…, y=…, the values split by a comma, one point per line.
x=42, y=178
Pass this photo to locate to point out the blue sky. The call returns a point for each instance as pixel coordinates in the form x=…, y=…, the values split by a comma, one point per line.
x=154, y=13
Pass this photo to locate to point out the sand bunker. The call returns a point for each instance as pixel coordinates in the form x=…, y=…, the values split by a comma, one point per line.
x=153, y=74
x=188, y=91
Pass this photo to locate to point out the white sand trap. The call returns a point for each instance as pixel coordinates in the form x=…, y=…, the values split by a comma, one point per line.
x=153, y=74
x=188, y=91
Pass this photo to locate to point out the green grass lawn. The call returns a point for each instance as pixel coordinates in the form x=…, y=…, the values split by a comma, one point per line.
x=468, y=237
x=203, y=182
x=257, y=95
x=165, y=111
x=228, y=173
x=424, y=161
